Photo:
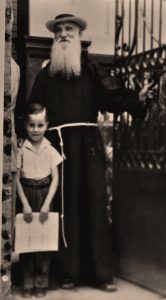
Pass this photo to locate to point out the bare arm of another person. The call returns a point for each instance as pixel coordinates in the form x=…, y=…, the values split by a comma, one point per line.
x=27, y=210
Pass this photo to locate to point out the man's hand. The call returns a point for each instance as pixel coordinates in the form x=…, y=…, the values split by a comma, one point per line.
x=44, y=213
x=147, y=92
x=27, y=211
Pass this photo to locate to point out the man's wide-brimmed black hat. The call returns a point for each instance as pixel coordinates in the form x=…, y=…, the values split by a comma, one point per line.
x=65, y=18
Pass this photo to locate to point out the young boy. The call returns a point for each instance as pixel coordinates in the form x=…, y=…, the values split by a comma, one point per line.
x=37, y=182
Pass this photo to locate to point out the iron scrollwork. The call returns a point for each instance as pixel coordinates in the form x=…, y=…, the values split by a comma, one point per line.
x=142, y=144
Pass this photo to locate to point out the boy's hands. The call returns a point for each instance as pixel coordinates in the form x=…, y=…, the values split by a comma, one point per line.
x=44, y=213
x=27, y=211
x=28, y=216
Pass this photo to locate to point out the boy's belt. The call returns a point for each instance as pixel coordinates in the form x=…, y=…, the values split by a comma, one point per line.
x=37, y=183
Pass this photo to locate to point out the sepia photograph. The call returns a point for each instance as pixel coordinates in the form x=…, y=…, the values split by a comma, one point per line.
x=83, y=149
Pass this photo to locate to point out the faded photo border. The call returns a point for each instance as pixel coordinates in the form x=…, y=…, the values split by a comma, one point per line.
x=5, y=157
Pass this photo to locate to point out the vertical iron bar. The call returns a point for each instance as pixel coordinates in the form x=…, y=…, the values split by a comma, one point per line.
x=144, y=27
x=158, y=121
x=152, y=23
x=122, y=12
x=136, y=16
x=129, y=44
x=160, y=23
x=160, y=33
x=129, y=39
x=116, y=14
x=114, y=142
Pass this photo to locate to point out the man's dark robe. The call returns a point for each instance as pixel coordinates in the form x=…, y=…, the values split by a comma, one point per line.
x=86, y=226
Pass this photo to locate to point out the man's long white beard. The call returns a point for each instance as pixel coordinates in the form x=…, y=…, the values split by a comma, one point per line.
x=66, y=60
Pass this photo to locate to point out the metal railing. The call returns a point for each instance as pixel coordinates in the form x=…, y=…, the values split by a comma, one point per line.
x=137, y=143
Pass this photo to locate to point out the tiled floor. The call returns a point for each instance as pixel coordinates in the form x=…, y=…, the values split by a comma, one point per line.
x=126, y=291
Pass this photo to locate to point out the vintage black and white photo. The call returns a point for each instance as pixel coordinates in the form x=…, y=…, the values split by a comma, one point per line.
x=83, y=151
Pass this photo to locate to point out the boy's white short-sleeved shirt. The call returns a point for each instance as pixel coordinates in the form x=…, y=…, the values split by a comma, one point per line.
x=37, y=164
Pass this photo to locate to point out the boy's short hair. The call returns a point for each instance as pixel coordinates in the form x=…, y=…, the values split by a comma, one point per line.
x=34, y=108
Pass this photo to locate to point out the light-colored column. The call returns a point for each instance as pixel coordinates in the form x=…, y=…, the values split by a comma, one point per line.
x=6, y=175
x=2, y=58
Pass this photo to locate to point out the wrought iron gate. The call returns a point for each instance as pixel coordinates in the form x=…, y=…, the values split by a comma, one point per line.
x=143, y=143
x=140, y=147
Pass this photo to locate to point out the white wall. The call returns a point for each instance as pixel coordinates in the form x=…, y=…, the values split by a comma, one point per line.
x=147, y=21
x=100, y=16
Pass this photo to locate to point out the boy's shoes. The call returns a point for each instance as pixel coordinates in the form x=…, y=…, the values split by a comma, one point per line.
x=27, y=293
x=109, y=287
x=39, y=292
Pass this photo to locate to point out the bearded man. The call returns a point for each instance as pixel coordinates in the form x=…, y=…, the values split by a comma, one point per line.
x=73, y=92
